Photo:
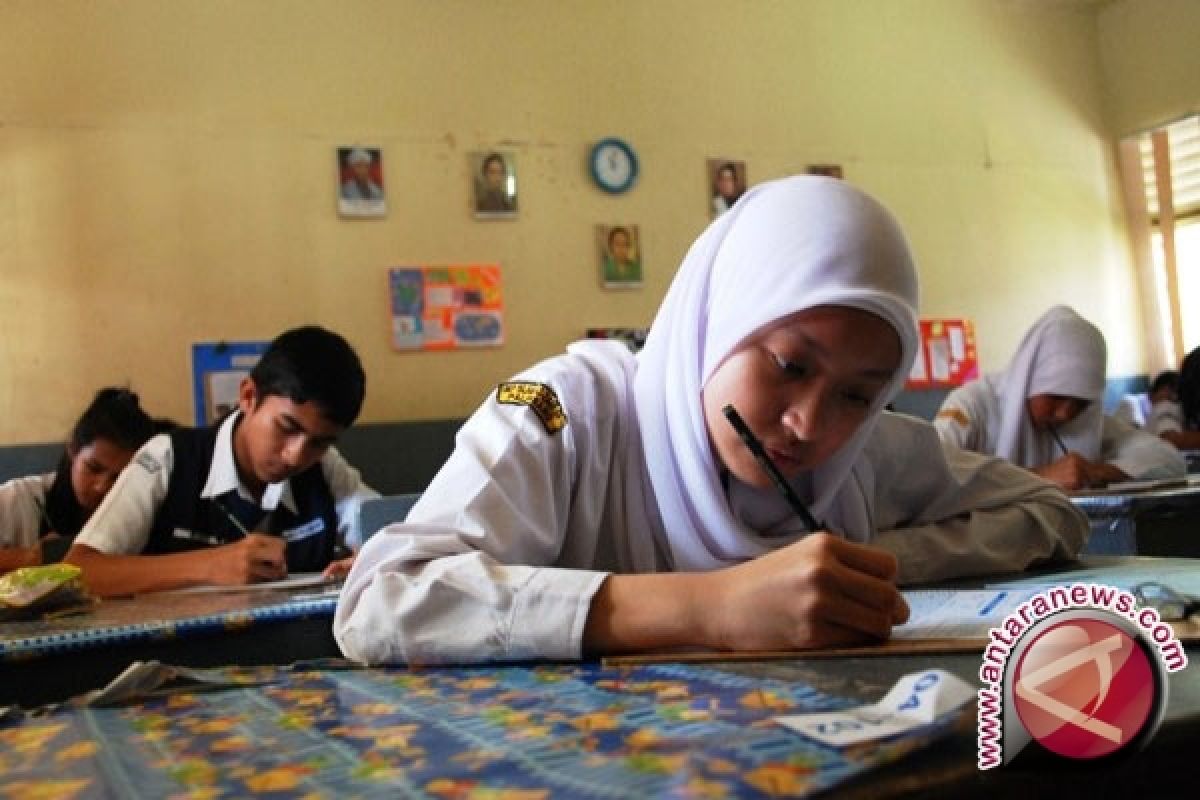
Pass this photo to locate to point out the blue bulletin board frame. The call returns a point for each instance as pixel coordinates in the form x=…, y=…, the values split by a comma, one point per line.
x=209, y=358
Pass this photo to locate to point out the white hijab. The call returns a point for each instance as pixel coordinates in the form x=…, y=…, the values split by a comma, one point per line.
x=1062, y=354
x=786, y=246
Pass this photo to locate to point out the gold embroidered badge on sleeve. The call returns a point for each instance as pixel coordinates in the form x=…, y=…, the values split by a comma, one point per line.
x=956, y=415
x=538, y=396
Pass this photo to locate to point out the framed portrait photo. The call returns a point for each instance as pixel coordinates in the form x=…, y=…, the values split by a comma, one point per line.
x=360, y=182
x=726, y=183
x=493, y=184
x=620, y=251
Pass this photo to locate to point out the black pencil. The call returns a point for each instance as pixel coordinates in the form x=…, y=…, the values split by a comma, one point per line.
x=1057, y=438
x=769, y=467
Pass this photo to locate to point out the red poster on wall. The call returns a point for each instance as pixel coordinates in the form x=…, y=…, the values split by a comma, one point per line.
x=947, y=355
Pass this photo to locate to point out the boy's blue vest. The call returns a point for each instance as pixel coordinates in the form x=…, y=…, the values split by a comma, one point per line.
x=187, y=521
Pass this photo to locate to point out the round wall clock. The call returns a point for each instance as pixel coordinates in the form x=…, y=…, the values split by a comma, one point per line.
x=614, y=165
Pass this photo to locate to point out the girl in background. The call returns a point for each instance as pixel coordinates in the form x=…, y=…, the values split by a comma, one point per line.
x=1044, y=412
x=41, y=514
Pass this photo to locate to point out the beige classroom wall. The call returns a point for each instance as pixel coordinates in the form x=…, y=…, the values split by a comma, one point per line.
x=1150, y=51
x=167, y=170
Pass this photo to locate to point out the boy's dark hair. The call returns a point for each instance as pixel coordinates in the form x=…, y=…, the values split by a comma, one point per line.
x=115, y=415
x=1189, y=390
x=1167, y=379
x=313, y=365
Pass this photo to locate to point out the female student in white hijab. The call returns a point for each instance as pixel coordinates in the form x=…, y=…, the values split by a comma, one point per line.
x=1044, y=412
x=602, y=502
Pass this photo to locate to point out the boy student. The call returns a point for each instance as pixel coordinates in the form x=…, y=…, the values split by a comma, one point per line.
x=1044, y=412
x=261, y=493
x=605, y=502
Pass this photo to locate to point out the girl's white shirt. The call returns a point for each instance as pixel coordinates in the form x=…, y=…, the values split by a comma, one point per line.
x=501, y=556
x=21, y=503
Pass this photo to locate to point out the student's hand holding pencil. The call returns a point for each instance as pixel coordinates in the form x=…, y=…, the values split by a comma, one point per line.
x=1073, y=472
x=819, y=592
x=254, y=558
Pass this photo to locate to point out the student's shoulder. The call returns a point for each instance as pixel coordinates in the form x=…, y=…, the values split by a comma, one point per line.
x=575, y=381
x=156, y=456
x=896, y=432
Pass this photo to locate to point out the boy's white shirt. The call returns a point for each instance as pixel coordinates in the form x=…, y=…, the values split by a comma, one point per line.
x=21, y=503
x=122, y=523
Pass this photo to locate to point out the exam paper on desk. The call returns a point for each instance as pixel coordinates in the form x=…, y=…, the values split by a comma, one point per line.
x=958, y=613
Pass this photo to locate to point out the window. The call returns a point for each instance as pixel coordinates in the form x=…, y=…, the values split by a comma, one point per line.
x=1162, y=179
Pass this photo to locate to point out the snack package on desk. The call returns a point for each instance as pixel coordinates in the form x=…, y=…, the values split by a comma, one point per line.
x=29, y=591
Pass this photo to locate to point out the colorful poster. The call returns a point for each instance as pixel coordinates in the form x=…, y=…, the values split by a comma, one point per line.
x=947, y=356
x=446, y=308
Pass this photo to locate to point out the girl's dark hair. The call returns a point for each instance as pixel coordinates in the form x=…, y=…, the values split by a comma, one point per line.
x=1189, y=390
x=114, y=415
x=621, y=230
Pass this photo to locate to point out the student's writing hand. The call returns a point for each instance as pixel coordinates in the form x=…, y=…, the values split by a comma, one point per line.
x=339, y=569
x=820, y=591
x=1073, y=472
x=255, y=558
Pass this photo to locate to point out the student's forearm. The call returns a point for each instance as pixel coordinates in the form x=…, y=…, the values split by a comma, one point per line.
x=110, y=575
x=1184, y=440
x=16, y=557
x=645, y=612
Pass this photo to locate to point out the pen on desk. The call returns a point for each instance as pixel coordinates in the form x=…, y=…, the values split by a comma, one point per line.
x=769, y=467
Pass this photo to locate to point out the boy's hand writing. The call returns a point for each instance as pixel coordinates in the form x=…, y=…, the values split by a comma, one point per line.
x=255, y=558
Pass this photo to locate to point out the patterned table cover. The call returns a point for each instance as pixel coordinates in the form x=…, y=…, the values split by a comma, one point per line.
x=518, y=732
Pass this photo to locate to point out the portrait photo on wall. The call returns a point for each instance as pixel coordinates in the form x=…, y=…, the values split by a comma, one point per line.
x=726, y=183
x=620, y=256
x=828, y=170
x=494, y=182
x=360, y=182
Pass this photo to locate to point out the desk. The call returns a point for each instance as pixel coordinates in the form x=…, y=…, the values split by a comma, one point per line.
x=44, y=661
x=546, y=731
x=1157, y=522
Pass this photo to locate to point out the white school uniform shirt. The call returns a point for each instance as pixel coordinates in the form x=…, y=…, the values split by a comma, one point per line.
x=124, y=520
x=21, y=504
x=501, y=556
x=970, y=414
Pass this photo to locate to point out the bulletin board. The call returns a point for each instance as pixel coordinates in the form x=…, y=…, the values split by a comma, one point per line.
x=217, y=370
x=446, y=308
x=947, y=356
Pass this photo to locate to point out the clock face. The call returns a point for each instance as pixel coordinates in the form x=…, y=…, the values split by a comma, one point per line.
x=614, y=166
